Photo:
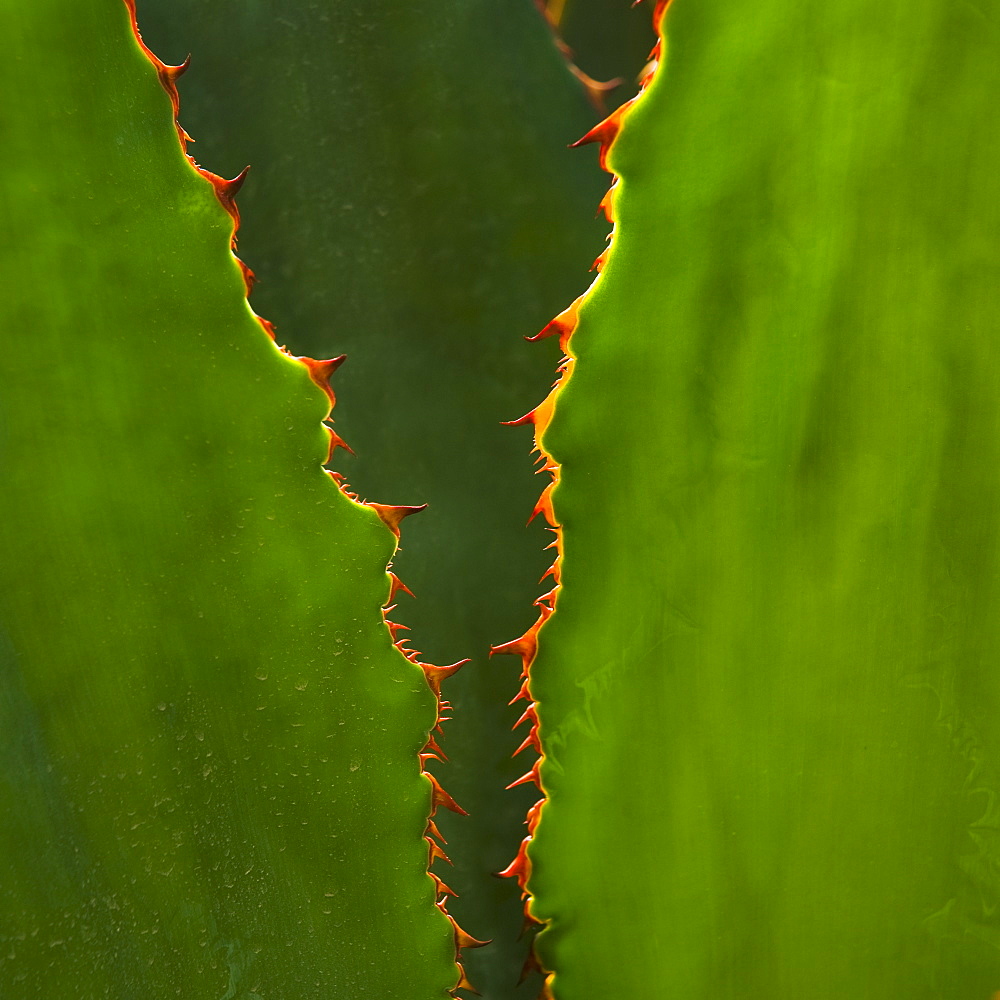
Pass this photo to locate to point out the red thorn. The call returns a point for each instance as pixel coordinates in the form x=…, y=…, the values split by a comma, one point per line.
x=439, y=797
x=528, y=777
x=433, y=831
x=169, y=75
x=546, y=602
x=232, y=186
x=320, y=372
x=392, y=515
x=174, y=73
x=435, y=852
x=530, y=715
x=528, y=418
x=562, y=325
x=522, y=695
x=605, y=133
x=465, y=940
x=544, y=507
x=601, y=260
x=396, y=585
x=394, y=628
x=520, y=867
x=432, y=745
x=463, y=983
x=435, y=675
x=226, y=191
x=336, y=441
x=531, y=741
x=442, y=889
x=524, y=646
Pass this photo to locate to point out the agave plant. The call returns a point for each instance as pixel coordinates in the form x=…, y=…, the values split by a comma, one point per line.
x=760, y=688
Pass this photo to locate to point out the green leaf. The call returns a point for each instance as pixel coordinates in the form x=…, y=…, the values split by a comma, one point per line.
x=210, y=784
x=768, y=696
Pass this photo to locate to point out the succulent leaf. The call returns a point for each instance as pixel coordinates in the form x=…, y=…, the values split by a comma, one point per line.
x=210, y=775
x=768, y=697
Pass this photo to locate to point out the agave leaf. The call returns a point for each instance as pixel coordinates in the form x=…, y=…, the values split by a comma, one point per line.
x=210, y=784
x=413, y=204
x=768, y=697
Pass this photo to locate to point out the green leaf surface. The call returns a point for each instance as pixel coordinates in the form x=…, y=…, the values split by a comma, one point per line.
x=208, y=772
x=769, y=695
x=412, y=203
